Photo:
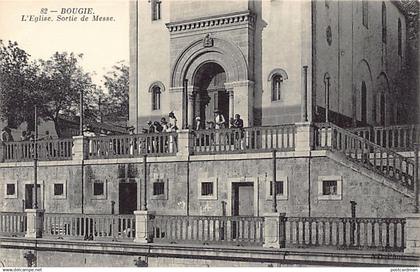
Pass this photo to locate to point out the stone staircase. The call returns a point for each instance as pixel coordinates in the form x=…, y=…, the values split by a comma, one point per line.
x=360, y=150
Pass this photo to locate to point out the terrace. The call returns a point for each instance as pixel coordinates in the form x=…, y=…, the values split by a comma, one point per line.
x=370, y=147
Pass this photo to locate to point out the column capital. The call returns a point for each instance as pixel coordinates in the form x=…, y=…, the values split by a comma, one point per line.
x=176, y=89
x=233, y=84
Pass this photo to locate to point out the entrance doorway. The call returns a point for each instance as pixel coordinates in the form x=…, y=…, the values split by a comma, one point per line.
x=243, y=199
x=211, y=95
x=127, y=198
x=30, y=196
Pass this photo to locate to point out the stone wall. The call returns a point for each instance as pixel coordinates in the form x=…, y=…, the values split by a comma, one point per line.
x=376, y=196
x=61, y=253
x=357, y=54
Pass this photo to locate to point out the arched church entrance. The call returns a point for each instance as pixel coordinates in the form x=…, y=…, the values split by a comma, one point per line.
x=211, y=94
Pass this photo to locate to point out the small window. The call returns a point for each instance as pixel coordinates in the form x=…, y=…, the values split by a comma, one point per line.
x=156, y=10
x=329, y=187
x=207, y=188
x=158, y=188
x=10, y=189
x=365, y=13
x=58, y=189
x=279, y=188
x=276, y=83
x=384, y=30
x=98, y=189
x=156, y=98
x=399, y=38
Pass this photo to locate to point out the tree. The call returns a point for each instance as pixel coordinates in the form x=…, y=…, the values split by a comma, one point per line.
x=53, y=86
x=114, y=105
x=61, y=80
x=18, y=83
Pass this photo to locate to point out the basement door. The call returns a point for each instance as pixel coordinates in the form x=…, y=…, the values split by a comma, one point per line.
x=243, y=199
x=30, y=196
x=127, y=198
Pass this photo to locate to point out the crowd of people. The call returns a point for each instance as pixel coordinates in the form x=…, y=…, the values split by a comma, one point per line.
x=219, y=122
x=26, y=135
x=152, y=145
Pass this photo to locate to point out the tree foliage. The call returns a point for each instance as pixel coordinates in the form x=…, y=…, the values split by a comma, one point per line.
x=115, y=102
x=54, y=85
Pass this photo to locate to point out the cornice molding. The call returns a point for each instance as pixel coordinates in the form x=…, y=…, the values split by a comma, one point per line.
x=231, y=19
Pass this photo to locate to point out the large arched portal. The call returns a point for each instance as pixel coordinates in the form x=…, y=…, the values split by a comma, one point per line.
x=211, y=76
x=211, y=94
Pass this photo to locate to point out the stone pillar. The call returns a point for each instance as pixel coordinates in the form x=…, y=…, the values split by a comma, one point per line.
x=191, y=110
x=176, y=104
x=231, y=105
x=412, y=230
x=184, y=142
x=274, y=230
x=327, y=97
x=2, y=152
x=304, y=117
x=144, y=228
x=34, y=223
x=304, y=137
x=80, y=148
x=243, y=103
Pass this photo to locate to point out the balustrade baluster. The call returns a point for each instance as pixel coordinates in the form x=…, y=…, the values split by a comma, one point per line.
x=395, y=225
x=380, y=240
x=387, y=233
x=337, y=233
x=358, y=233
x=344, y=232
x=373, y=243
x=330, y=223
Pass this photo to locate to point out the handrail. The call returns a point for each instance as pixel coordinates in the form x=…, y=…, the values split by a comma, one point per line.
x=236, y=230
x=89, y=226
x=54, y=149
x=387, y=234
x=13, y=223
x=382, y=160
x=249, y=139
x=397, y=137
x=153, y=144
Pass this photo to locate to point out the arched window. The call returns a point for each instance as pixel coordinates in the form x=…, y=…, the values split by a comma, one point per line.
x=156, y=5
x=365, y=14
x=156, y=98
x=155, y=89
x=383, y=22
x=277, y=78
x=399, y=38
x=363, y=103
x=382, y=109
x=276, y=87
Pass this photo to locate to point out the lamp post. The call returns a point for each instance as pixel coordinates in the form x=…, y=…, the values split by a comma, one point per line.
x=273, y=185
x=35, y=203
x=416, y=176
x=81, y=114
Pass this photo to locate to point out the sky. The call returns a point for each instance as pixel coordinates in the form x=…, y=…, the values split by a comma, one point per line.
x=103, y=43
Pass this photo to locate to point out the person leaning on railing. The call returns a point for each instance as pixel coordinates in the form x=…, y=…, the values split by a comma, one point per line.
x=133, y=141
x=238, y=124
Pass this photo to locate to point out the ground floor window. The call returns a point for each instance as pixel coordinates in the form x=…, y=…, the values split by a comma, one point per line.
x=99, y=189
x=281, y=188
x=207, y=188
x=329, y=188
x=11, y=190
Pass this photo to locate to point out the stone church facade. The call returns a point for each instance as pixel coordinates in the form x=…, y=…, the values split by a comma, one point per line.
x=264, y=59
